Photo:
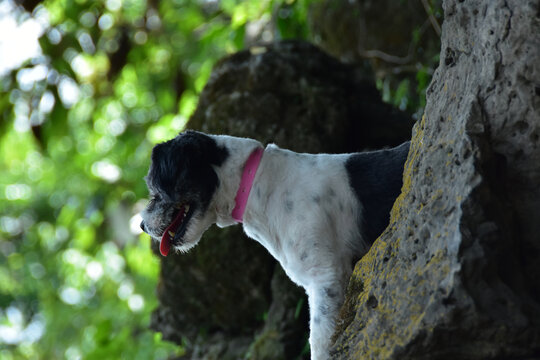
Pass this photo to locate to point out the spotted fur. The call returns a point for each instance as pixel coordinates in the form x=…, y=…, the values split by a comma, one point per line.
x=315, y=214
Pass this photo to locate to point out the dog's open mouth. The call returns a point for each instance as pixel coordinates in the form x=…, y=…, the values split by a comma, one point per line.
x=175, y=231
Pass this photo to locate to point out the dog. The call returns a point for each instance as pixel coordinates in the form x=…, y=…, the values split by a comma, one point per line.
x=315, y=213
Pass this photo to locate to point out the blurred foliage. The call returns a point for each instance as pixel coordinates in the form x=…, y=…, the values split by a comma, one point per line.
x=77, y=124
x=404, y=85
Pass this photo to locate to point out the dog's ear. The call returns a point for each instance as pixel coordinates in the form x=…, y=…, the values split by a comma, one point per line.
x=202, y=147
x=163, y=168
x=183, y=167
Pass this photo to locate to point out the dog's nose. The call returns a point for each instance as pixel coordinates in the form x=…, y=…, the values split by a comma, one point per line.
x=142, y=226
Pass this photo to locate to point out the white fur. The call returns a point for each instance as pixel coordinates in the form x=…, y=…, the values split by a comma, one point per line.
x=303, y=211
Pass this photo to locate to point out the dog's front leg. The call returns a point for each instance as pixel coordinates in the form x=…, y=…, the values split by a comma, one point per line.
x=324, y=303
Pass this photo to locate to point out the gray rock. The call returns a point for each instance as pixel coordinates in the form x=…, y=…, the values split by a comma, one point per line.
x=221, y=286
x=297, y=96
x=456, y=273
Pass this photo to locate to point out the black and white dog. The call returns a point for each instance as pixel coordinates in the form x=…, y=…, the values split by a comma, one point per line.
x=314, y=213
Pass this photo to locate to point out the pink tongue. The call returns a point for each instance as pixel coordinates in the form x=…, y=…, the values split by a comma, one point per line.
x=165, y=245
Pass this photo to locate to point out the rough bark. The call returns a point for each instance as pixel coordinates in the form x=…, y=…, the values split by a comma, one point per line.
x=214, y=299
x=456, y=274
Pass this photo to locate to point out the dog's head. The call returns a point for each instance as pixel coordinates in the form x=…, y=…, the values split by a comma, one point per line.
x=182, y=182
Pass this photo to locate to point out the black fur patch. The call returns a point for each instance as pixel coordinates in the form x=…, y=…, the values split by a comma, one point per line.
x=376, y=178
x=182, y=168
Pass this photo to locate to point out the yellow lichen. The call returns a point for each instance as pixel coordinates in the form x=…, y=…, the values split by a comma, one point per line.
x=409, y=169
x=382, y=344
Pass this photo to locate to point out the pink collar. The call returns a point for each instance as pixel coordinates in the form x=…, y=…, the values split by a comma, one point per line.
x=250, y=169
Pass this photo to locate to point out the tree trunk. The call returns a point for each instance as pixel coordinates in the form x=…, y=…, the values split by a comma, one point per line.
x=456, y=273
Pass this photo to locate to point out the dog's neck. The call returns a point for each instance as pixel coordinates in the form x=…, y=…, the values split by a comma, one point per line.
x=239, y=151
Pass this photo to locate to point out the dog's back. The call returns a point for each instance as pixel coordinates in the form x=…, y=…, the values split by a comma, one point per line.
x=376, y=178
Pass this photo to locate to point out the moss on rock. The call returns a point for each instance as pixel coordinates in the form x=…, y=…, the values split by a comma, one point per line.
x=449, y=278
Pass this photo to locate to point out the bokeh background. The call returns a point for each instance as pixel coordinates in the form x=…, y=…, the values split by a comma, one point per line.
x=87, y=88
